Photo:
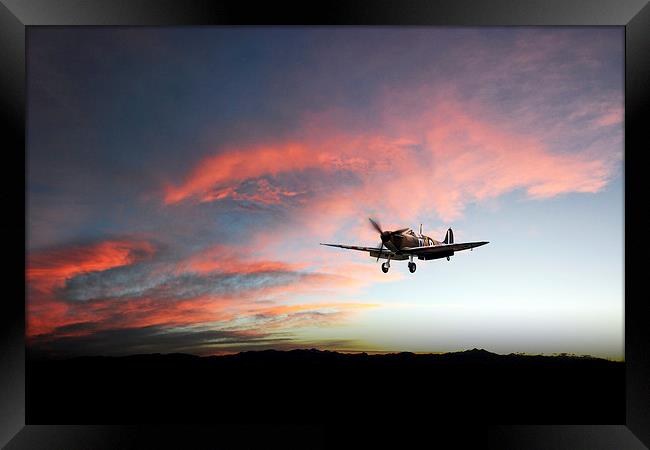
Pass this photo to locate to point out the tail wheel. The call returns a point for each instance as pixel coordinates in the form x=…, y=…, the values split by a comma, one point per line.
x=384, y=268
x=412, y=267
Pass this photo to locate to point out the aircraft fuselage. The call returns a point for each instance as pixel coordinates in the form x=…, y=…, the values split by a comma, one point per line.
x=409, y=238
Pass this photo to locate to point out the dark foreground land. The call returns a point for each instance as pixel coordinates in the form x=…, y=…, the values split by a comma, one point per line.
x=312, y=385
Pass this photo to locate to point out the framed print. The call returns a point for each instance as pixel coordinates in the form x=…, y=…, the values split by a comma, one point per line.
x=278, y=222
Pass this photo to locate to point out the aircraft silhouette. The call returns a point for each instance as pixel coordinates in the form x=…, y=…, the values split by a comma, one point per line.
x=405, y=244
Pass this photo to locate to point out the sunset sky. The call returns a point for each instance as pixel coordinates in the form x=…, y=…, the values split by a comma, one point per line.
x=179, y=181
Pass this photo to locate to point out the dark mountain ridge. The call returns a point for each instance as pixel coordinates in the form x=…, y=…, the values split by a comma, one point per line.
x=318, y=385
x=474, y=354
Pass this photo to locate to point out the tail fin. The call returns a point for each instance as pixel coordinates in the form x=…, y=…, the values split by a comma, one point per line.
x=449, y=237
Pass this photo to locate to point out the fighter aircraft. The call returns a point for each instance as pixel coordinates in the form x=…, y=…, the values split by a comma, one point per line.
x=405, y=244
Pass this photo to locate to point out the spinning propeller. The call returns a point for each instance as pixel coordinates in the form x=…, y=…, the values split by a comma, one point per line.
x=386, y=236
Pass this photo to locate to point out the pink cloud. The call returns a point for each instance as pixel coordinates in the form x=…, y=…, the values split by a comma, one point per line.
x=226, y=170
x=230, y=259
x=439, y=159
x=611, y=116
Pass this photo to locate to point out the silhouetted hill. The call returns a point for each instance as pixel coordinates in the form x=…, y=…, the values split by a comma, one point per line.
x=313, y=385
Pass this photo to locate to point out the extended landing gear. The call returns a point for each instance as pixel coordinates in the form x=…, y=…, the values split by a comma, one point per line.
x=412, y=267
x=447, y=258
x=385, y=266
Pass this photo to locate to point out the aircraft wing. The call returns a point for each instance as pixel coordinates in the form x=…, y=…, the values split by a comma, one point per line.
x=363, y=249
x=430, y=250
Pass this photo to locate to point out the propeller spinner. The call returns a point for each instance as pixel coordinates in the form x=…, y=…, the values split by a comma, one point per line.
x=385, y=236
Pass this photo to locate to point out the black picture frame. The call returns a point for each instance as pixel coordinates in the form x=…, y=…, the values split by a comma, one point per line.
x=16, y=15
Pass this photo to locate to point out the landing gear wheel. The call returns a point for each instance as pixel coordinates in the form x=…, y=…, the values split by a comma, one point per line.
x=412, y=267
x=384, y=268
x=447, y=258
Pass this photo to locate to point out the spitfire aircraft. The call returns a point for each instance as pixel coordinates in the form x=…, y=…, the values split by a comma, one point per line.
x=405, y=244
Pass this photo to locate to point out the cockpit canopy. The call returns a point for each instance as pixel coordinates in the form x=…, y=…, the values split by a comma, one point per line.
x=424, y=240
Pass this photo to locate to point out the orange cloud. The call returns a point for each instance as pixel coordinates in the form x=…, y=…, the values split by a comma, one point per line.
x=227, y=168
x=127, y=313
x=43, y=316
x=50, y=268
x=137, y=313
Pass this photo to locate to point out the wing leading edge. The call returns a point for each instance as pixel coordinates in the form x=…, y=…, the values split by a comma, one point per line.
x=356, y=247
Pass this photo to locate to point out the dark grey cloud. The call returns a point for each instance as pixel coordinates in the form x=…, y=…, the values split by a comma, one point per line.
x=154, y=339
x=157, y=339
x=297, y=319
x=160, y=282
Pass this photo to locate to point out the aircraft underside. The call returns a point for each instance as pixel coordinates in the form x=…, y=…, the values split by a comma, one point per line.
x=401, y=257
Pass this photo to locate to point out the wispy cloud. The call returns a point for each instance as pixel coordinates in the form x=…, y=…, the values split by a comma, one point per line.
x=446, y=154
x=93, y=294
